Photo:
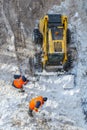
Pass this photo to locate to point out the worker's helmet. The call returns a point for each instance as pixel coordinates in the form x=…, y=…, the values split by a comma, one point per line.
x=38, y=104
x=24, y=79
x=45, y=98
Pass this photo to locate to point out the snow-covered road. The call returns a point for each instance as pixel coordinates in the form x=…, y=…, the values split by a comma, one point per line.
x=66, y=107
x=61, y=111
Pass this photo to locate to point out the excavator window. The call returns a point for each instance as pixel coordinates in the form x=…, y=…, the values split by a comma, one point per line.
x=57, y=33
x=55, y=58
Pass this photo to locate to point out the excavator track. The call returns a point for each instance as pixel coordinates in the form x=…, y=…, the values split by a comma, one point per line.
x=37, y=63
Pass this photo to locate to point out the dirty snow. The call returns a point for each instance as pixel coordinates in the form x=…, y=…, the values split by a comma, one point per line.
x=64, y=109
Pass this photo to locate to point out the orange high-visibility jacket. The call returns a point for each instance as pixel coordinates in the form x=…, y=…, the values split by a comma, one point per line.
x=33, y=102
x=18, y=83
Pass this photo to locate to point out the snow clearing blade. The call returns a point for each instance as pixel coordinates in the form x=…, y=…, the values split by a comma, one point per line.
x=44, y=73
x=68, y=77
x=59, y=73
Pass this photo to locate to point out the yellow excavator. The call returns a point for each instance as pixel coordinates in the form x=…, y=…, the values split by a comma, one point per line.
x=51, y=37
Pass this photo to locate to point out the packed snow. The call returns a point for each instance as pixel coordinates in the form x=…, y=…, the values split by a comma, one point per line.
x=62, y=110
x=65, y=108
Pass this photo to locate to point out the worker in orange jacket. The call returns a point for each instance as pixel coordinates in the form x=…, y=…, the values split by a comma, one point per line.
x=19, y=81
x=35, y=104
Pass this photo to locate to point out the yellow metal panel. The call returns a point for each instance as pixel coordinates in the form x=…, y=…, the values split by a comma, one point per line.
x=51, y=45
x=65, y=23
x=43, y=30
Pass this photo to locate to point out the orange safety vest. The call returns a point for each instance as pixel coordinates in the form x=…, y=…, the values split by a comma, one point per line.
x=18, y=83
x=33, y=102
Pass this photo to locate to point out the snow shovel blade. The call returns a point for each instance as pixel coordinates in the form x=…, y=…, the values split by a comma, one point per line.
x=21, y=91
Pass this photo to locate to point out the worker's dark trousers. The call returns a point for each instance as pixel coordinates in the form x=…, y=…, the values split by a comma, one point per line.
x=30, y=112
x=17, y=76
